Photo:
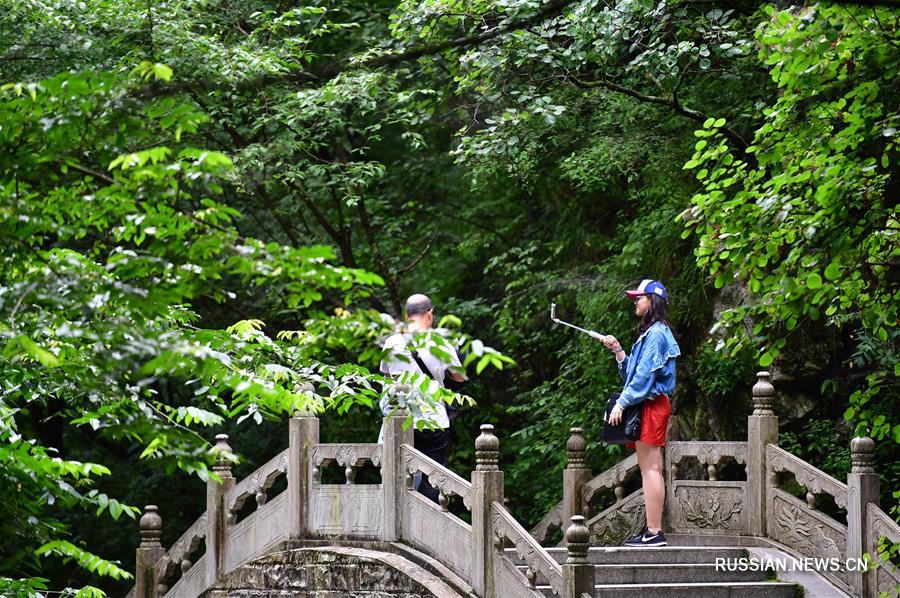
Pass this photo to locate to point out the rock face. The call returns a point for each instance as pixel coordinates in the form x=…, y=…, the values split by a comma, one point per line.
x=332, y=572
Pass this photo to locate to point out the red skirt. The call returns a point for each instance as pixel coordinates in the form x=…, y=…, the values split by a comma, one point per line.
x=654, y=421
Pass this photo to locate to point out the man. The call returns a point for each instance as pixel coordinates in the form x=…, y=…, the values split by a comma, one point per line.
x=415, y=353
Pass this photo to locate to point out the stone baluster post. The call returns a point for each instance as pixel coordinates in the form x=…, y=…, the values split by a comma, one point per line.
x=487, y=487
x=762, y=429
x=216, y=511
x=148, y=553
x=863, y=488
x=393, y=474
x=575, y=475
x=578, y=572
x=303, y=432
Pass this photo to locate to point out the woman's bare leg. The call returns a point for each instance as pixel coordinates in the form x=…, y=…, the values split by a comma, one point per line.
x=650, y=462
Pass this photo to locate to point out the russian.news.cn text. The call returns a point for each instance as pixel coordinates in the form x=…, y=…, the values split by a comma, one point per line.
x=820, y=565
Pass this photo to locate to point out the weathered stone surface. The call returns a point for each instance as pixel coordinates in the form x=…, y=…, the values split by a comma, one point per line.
x=331, y=572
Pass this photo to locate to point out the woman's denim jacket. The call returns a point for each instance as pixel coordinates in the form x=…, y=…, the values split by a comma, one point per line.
x=650, y=369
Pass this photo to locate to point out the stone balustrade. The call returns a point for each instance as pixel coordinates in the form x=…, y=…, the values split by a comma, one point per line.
x=751, y=503
x=755, y=498
x=244, y=521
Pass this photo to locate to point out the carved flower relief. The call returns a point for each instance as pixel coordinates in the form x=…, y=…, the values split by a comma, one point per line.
x=799, y=532
x=710, y=509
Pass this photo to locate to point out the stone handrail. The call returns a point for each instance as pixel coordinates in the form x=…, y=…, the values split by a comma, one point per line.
x=887, y=575
x=551, y=521
x=255, y=485
x=612, y=477
x=814, y=480
x=618, y=521
x=391, y=512
x=709, y=453
x=882, y=526
x=529, y=550
x=754, y=506
x=445, y=481
x=349, y=456
x=179, y=554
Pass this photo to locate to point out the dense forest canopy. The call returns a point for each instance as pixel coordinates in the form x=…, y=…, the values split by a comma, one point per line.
x=207, y=208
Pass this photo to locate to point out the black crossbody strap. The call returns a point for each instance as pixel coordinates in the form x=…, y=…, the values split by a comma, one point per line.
x=419, y=362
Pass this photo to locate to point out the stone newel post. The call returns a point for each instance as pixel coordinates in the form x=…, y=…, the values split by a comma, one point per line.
x=578, y=572
x=148, y=553
x=863, y=488
x=393, y=478
x=487, y=487
x=762, y=429
x=216, y=515
x=303, y=432
x=575, y=475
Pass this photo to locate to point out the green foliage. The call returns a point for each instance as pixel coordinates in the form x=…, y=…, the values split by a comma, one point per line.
x=806, y=219
x=107, y=247
x=721, y=376
x=205, y=206
x=819, y=442
x=808, y=204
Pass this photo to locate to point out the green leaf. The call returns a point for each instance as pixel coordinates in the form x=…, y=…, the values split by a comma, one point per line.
x=46, y=358
x=162, y=72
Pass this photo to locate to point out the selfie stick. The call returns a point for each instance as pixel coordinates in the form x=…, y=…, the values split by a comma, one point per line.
x=553, y=317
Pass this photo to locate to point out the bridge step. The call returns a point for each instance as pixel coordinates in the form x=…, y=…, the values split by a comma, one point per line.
x=695, y=590
x=668, y=573
x=667, y=555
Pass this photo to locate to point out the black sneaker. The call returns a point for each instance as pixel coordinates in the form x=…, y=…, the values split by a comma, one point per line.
x=635, y=538
x=647, y=539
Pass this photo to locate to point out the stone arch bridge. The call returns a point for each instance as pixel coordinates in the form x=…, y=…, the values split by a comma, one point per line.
x=385, y=539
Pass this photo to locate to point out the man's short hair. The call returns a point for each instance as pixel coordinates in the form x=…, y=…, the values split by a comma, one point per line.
x=418, y=304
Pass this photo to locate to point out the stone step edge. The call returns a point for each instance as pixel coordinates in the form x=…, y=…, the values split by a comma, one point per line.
x=698, y=585
x=651, y=566
x=645, y=548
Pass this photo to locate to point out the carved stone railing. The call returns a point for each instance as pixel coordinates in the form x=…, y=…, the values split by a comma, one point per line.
x=622, y=519
x=541, y=566
x=349, y=456
x=754, y=506
x=710, y=454
x=886, y=577
x=815, y=481
x=348, y=509
x=388, y=511
x=446, y=482
x=179, y=557
x=547, y=526
x=613, y=478
x=255, y=486
x=710, y=505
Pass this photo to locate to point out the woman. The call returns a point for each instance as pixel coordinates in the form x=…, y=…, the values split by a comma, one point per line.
x=649, y=375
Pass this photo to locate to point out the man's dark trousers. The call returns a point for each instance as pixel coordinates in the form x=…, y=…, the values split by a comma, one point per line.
x=436, y=445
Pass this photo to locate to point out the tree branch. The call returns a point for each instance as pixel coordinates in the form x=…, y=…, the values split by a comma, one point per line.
x=386, y=59
x=416, y=260
x=671, y=102
x=391, y=281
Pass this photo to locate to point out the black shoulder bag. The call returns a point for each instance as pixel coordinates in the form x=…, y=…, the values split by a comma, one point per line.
x=629, y=429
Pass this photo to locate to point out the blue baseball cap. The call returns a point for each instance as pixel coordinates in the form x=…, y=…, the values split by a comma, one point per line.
x=649, y=287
